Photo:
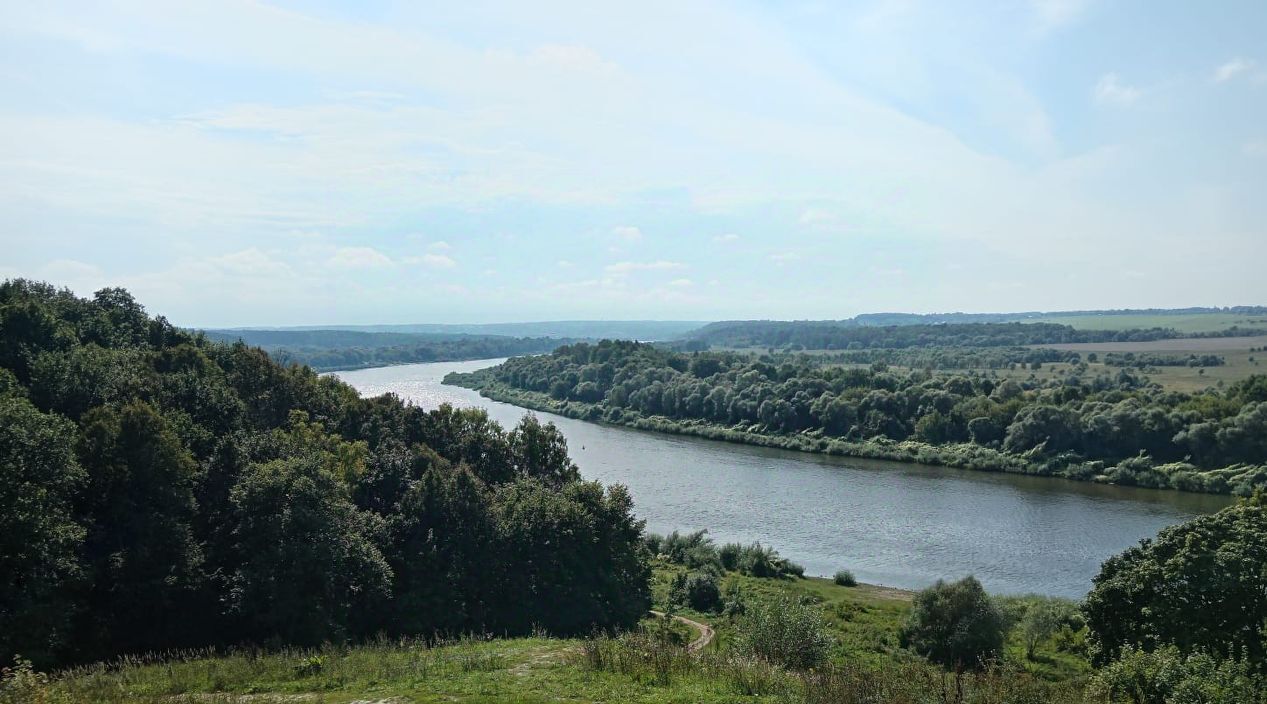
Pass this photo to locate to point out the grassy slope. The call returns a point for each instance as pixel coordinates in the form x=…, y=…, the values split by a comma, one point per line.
x=864, y=621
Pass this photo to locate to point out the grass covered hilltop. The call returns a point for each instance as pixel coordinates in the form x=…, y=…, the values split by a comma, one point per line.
x=1113, y=426
x=183, y=520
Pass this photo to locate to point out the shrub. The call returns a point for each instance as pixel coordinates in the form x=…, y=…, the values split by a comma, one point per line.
x=1167, y=676
x=955, y=624
x=729, y=555
x=1042, y=619
x=697, y=590
x=845, y=578
x=785, y=632
x=21, y=684
x=734, y=601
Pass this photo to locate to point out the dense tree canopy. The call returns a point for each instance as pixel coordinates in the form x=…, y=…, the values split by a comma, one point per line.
x=161, y=490
x=1113, y=427
x=1200, y=587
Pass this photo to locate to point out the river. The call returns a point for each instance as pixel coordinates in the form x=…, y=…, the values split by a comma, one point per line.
x=891, y=523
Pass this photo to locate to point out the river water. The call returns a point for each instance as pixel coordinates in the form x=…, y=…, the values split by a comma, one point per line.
x=890, y=523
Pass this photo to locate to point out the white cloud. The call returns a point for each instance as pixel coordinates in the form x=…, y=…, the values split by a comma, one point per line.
x=681, y=283
x=1057, y=13
x=251, y=262
x=784, y=257
x=729, y=238
x=435, y=261
x=359, y=258
x=659, y=265
x=1256, y=148
x=627, y=233
x=563, y=264
x=1111, y=90
x=81, y=277
x=440, y=246
x=1232, y=69
x=572, y=57
x=817, y=217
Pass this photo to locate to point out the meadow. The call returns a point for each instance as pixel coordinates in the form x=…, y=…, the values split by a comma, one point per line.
x=863, y=620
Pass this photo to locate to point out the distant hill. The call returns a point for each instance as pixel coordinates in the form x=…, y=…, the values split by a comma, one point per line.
x=330, y=350
x=644, y=330
x=888, y=319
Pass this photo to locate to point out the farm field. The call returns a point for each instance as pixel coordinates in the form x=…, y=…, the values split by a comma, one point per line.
x=1185, y=345
x=1188, y=379
x=1183, y=322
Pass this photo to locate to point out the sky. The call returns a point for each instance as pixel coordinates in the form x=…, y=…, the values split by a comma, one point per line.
x=247, y=163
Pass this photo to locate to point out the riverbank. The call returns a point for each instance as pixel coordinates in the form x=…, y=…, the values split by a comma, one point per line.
x=1235, y=480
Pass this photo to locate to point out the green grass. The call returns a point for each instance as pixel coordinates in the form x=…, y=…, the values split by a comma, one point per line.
x=511, y=670
x=864, y=621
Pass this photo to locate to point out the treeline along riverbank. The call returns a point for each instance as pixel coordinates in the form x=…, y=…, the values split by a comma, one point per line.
x=1116, y=428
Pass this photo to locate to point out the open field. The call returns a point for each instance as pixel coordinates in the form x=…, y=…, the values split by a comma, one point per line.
x=1184, y=345
x=1237, y=368
x=1183, y=322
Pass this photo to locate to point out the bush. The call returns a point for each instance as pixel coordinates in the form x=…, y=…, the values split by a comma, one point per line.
x=698, y=590
x=955, y=624
x=845, y=578
x=729, y=555
x=21, y=684
x=784, y=632
x=1169, y=677
x=1042, y=619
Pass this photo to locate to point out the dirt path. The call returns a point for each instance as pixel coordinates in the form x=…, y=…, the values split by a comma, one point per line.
x=705, y=631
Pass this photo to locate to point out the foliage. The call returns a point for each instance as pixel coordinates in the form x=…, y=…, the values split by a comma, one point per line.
x=1199, y=586
x=849, y=334
x=1167, y=676
x=696, y=550
x=161, y=490
x=696, y=590
x=956, y=624
x=326, y=350
x=786, y=632
x=40, y=541
x=1115, y=428
x=845, y=578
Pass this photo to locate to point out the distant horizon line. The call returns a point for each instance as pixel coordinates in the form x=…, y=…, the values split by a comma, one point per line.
x=1249, y=309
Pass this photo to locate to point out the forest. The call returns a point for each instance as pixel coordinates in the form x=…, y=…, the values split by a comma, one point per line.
x=1115, y=428
x=849, y=335
x=161, y=491
x=330, y=350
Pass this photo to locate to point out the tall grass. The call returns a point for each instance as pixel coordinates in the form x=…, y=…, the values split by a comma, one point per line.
x=176, y=674
x=907, y=682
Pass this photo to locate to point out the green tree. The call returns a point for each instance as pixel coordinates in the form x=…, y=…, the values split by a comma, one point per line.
x=309, y=564
x=139, y=503
x=1200, y=586
x=576, y=557
x=955, y=624
x=1043, y=617
x=39, y=537
x=541, y=452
